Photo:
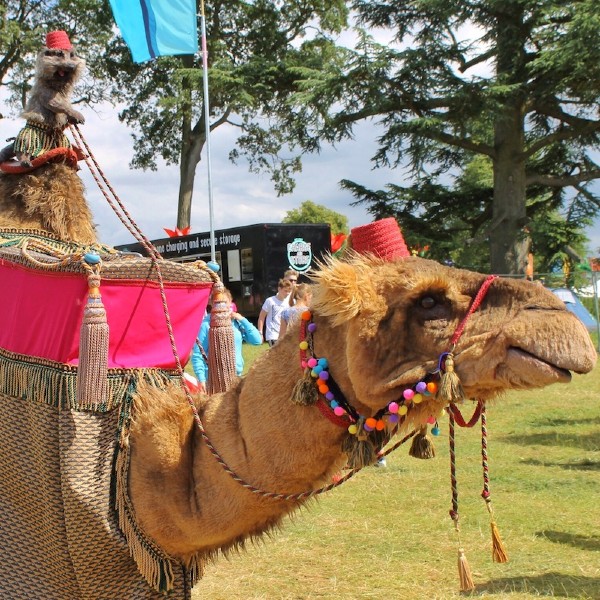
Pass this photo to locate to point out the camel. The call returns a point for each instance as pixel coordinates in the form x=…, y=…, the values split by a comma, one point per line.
x=382, y=325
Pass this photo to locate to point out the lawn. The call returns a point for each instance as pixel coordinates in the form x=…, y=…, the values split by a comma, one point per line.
x=386, y=533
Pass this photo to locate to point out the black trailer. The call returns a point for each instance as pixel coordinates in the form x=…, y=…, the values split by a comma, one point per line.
x=252, y=258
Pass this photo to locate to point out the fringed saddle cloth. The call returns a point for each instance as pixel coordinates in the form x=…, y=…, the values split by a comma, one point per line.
x=68, y=531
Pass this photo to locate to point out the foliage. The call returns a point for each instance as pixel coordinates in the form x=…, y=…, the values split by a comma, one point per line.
x=516, y=82
x=253, y=49
x=309, y=212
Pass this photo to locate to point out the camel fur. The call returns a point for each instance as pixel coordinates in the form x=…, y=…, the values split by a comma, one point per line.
x=381, y=325
x=50, y=198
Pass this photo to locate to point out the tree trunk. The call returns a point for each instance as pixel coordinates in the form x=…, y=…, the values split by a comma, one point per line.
x=192, y=142
x=509, y=242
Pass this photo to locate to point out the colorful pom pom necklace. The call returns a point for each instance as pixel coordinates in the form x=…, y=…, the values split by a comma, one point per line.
x=318, y=383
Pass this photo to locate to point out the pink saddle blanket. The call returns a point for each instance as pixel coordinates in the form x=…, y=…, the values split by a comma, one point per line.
x=41, y=313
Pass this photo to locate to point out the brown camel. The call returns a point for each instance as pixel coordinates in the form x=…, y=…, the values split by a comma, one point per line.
x=381, y=325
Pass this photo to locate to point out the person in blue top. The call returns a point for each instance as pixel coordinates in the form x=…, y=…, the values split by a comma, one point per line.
x=243, y=331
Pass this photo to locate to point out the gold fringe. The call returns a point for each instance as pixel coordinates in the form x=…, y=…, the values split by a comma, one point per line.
x=498, y=551
x=55, y=384
x=422, y=445
x=154, y=565
x=305, y=391
x=464, y=572
x=221, y=348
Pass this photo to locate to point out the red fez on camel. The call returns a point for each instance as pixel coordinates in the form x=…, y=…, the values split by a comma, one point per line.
x=382, y=238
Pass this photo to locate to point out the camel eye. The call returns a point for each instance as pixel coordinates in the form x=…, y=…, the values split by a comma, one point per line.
x=428, y=302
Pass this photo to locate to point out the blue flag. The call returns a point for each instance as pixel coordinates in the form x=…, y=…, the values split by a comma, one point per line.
x=157, y=27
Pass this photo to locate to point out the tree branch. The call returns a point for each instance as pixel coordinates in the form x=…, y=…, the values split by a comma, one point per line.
x=562, y=134
x=565, y=181
x=459, y=142
x=477, y=60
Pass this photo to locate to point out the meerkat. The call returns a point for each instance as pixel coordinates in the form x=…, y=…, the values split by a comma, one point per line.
x=49, y=110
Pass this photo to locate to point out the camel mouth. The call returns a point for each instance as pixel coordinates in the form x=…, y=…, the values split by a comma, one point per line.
x=536, y=366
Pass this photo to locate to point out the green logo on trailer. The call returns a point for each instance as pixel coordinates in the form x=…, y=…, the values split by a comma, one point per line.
x=299, y=254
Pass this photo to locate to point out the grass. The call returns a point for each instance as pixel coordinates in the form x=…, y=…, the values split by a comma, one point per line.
x=386, y=534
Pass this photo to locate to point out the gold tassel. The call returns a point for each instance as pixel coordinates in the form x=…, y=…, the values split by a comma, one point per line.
x=221, y=345
x=92, y=371
x=450, y=389
x=422, y=445
x=498, y=551
x=464, y=573
x=305, y=391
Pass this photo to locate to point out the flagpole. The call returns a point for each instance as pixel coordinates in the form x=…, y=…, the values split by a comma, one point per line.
x=213, y=256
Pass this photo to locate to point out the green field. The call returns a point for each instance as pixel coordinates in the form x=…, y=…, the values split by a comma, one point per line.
x=386, y=534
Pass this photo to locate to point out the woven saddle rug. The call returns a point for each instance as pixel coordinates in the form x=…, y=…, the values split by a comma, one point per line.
x=68, y=529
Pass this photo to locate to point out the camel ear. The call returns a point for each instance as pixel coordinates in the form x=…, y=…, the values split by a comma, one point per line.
x=346, y=289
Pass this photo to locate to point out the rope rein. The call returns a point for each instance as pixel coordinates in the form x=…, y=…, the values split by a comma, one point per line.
x=129, y=223
x=155, y=256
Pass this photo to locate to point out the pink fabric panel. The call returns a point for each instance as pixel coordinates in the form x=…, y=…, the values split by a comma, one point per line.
x=138, y=329
x=41, y=312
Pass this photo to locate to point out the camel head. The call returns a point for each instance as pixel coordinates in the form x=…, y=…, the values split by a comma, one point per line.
x=383, y=326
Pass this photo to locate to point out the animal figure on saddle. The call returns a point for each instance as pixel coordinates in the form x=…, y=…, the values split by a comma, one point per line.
x=116, y=482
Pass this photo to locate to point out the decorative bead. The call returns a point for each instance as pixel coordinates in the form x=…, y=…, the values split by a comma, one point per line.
x=324, y=375
x=432, y=387
x=393, y=418
x=306, y=315
x=329, y=396
x=339, y=411
x=403, y=409
x=333, y=403
x=213, y=266
x=317, y=369
x=323, y=363
x=435, y=431
x=303, y=364
x=323, y=389
x=367, y=428
x=393, y=407
x=431, y=420
x=352, y=429
x=421, y=387
x=371, y=422
x=417, y=398
x=380, y=426
x=303, y=345
x=312, y=362
x=311, y=327
x=91, y=258
x=313, y=374
x=408, y=394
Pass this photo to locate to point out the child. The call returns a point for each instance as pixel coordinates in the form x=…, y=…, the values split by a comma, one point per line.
x=270, y=314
